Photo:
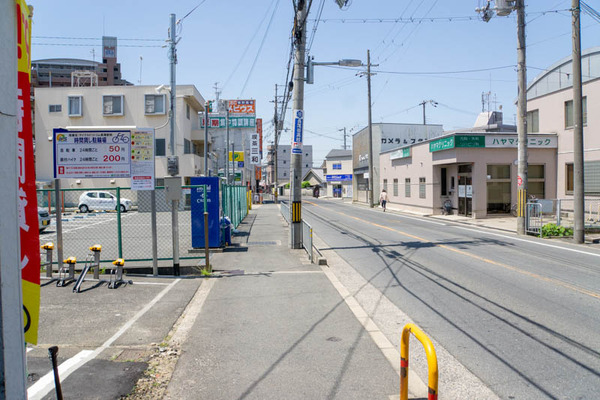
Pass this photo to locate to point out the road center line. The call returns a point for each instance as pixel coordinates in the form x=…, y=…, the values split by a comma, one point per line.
x=488, y=261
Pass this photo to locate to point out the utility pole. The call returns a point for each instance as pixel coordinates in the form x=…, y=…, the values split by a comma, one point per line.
x=432, y=102
x=578, y=182
x=276, y=144
x=298, y=110
x=173, y=161
x=13, y=375
x=521, y=121
x=206, y=107
x=371, y=175
x=227, y=142
x=344, y=129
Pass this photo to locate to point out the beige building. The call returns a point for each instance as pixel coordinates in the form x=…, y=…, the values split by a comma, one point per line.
x=550, y=109
x=475, y=171
x=121, y=106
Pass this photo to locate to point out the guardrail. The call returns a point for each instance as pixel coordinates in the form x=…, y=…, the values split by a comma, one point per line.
x=432, y=366
x=285, y=211
x=307, y=237
x=307, y=241
x=534, y=219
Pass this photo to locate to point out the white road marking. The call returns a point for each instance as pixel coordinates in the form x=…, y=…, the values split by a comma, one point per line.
x=42, y=387
x=87, y=225
x=530, y=241
x=416, y=385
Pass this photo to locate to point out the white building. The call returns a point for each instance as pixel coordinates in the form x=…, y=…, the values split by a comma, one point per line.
x=283, y=163
x=130, y=106
x=550, y=109
x=338, y=173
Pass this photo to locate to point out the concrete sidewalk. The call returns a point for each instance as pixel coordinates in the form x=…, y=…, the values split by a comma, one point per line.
x=274, y=327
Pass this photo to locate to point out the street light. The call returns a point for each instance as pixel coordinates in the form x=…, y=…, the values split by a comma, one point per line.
x=310, y=70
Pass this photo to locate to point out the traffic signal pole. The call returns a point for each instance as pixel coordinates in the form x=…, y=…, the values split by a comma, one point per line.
x=298, y=110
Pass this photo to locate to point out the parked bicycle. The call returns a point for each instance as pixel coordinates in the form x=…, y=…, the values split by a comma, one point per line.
x=513, y=208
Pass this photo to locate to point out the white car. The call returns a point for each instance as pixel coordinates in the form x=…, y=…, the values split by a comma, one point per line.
x=43, y=218
x=99, y=200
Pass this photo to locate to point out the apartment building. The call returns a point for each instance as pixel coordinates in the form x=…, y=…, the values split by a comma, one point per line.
x=121, y=106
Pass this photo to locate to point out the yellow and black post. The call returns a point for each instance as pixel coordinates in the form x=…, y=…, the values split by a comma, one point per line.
x=432, y=366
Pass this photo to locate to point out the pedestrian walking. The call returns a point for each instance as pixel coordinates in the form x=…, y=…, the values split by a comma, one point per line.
x=383, y=198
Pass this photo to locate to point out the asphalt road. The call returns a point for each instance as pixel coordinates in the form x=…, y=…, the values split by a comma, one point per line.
x=522, y=314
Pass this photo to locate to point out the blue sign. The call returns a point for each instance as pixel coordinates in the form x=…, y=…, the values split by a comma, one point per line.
x=298, y=129
x=331, y=178
x=212, y=206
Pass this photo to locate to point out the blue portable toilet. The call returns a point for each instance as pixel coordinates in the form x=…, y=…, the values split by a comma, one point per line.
x=213, y=208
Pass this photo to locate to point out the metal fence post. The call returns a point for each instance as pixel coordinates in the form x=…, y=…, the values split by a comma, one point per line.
x=558, y=201
x=154, y=232
x=208, y=267
x=119, y=233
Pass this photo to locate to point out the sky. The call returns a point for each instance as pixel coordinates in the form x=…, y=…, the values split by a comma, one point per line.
x=423, y=50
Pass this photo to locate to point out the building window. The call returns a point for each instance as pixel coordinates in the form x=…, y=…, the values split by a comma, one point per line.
x=407, y=187
x=154, y=104
x=187, y=111
x=569, y=178
x=55, y=108
x=337, y=166
x=444, y=181
x=533, y=121
x=591, y=178
x=385, y=185
x=536, y=181
x=422, y=188
x=284, y=161
x=395, y=187
x=160, y=147
x=112, y=105
x=187, y=148
x=159, y=182
x=74, y=106
x=285, y=174
x=569, y=118
x=306, y=165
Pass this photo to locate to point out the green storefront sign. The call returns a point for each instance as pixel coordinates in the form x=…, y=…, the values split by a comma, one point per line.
x=457, y=142
x=402, y=153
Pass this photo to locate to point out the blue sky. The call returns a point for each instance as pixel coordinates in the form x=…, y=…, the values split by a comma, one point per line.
x=244, y=46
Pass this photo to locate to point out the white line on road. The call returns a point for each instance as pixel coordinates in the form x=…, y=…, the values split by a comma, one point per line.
x=96, y=223
x=42, y=387
x=185, y=323
x=529, y=241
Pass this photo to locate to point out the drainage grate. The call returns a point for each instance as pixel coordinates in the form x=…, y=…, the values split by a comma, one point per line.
x=271, y=243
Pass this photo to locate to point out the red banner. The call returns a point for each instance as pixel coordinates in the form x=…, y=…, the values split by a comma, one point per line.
x=27, y=197
x=259, y=131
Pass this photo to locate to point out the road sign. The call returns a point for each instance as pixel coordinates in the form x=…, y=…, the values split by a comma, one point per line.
x=298, y=130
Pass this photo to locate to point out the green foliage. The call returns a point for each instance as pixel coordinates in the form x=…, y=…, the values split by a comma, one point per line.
x=305, y=184
x=287, y=186
x=550, y=230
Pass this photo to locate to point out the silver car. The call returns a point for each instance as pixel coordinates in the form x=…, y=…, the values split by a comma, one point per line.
x=100, y=200
x=43, y=218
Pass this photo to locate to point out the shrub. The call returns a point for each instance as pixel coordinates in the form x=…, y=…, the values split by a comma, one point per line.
x=287, y=186
x=305, y=184
x=549, y=230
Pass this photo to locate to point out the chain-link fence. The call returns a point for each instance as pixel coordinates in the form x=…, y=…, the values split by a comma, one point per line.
x=91, y=216
x=235, y=203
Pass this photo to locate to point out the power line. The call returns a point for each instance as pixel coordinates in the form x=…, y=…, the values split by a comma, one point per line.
x=260, y=48
x=314, y=31
x=248, y=46
x=193, y=9
x=90, y=38
x=89, y=45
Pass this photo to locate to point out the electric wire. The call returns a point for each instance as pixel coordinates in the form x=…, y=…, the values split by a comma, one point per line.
x=316, y=25
x=192, y=10
x=259, y=49
x=248, y=45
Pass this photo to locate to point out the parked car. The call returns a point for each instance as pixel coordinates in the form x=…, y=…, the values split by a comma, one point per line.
x=99, y=200
x=43, y=218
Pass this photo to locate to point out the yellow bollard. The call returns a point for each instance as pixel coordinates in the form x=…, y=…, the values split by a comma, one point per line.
x=432, y=366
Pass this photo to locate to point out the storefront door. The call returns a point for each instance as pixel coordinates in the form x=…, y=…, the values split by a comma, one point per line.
x=465, y=194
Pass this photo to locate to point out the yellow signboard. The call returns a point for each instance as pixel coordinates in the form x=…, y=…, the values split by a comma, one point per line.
x=239, y=156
